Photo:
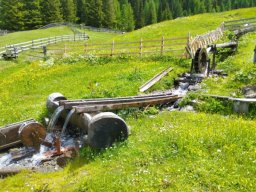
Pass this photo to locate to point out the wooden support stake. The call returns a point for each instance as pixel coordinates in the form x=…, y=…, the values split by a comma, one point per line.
x=162, y=46
x=112, y=49
x=85, y=49
x=141, y=46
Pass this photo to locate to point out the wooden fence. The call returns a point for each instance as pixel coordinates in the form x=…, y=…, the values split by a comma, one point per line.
x=202, y=41
x=82, y=26
x=143, y=47
x=40, y=43
x=240, y=24
x=3, y=32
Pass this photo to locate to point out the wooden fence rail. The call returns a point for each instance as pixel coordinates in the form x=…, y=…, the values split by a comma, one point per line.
x=40, y=43
x=240, y=24
x=157, y=46
x=202, y=41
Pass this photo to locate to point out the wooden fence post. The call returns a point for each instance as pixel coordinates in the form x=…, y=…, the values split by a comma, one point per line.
x=141, y=46
x=188, y=49
x=113, y=47
x=162, y=46
x=85, y=49
x=65, y=49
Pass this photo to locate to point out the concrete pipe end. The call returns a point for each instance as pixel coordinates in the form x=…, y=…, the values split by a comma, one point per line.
x=105, y=129
x=52, y=102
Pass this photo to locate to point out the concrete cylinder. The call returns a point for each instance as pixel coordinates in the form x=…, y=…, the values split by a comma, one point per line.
x=102, y=129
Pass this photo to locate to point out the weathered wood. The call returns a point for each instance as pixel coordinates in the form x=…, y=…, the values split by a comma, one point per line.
x=155, y=79
x=121, y=105
x=9, y=134
x=70, y=104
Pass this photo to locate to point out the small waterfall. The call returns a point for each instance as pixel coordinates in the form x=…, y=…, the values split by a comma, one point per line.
x=67, y=121
x=55, y=117
x=5, y=160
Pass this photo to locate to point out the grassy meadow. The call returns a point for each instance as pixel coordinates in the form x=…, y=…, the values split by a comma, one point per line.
x=166, y=151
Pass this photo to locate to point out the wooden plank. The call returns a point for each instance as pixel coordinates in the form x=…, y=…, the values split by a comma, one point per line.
x=155, y=79
x=233, y=21
x=96, y=108
x=70, y=104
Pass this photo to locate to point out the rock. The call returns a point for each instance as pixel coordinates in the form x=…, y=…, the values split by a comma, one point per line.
x=249, y=91
x=62, y=161
x=184, y=86
x=176, y=104
x=188, y=108
x=194, y=87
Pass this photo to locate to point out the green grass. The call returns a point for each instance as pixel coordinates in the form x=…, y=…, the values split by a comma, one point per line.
x=169, y=151
x=24, y=36
x=173, y=151
x=180, y=27
x=25, y=87
x=240, y=68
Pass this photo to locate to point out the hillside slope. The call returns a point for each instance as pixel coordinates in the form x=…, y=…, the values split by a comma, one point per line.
x=166, y=151
x=180, y=27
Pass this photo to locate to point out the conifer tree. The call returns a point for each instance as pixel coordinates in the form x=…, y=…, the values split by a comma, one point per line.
x=69, y=10
x=12, y=15
x=51, y=11
x=81, y=11
x=164, y=12
x=117, y=10
x=177, y=9
x=95, y=13
x=32, y=14
x=109, y=15
x=150, y=12
x=127, y=23
x=139, y=16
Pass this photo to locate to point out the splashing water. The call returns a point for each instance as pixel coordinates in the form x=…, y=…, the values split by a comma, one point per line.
x=5, y=160
x=55, y=117
x=67, y=121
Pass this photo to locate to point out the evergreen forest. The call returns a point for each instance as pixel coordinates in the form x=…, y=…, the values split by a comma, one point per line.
x=125, y=15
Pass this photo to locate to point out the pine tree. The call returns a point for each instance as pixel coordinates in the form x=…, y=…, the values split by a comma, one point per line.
x=12, y=15
x=138, y=7
x=32, y=14
x=117, y=10
x=164, y=12
x=150, y=12
x=128, y=23
x=81, y=11
x=95, y=13
x=51, y=11
x=209, y=5
x=109, y=14
x=177, y=9
x=202, y=8
x=69, y=10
